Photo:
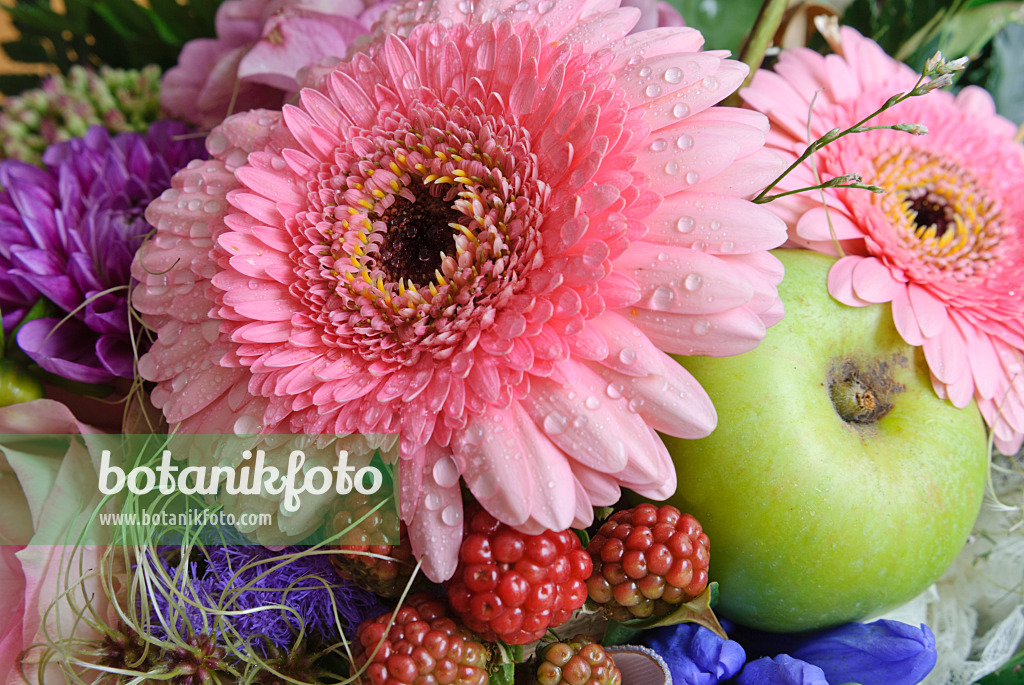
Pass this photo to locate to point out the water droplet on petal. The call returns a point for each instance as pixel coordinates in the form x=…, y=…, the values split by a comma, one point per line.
x=684, y=142
x=246, y=425
x=592, y=403
x=555, y=423
x=711, y=83
x=685, y=224
x=692, y=177
x=653, y=90
x=613, y=391
x=672, y=168
x=673, y=74
x=580, y=421
x=663, y=297
x=680, y=110
x=701, y=327
x=659, y=145
x=645, y=72
x=432, y=501
x=693, y=282
x=635, y=404
x=627, y=356
x=728, y=246
x=452, y=515
x=446, y=472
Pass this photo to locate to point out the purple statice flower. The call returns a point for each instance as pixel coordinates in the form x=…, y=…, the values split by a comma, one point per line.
x=267, y=597
x=782, y=670
x=68, y=233
x=695, y=655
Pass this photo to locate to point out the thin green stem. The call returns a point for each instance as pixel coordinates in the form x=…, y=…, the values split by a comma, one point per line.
x=836, y=134
x=769, y=18
x=874, y=189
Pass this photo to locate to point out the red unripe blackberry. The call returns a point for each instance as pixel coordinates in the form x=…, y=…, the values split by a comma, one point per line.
x=512, y=586
x=579, y=661
x=422, y=646
x=647, y=561
x=382, y=569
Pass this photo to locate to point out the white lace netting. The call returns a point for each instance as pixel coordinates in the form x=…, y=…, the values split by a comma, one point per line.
x=976, y=609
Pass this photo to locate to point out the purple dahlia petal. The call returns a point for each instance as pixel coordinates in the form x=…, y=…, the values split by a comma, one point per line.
x=116, y=356
x=59, y=349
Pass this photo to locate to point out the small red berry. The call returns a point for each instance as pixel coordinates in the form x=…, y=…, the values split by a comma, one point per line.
x=522, y=586
x=382, y=569
x=647, y=561
x=578, y=661
x=422, y=646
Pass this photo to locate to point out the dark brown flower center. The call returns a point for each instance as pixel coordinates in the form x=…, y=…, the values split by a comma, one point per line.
x=418, y=234
x=931, y=209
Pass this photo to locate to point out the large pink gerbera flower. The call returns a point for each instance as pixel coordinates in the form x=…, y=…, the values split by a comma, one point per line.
x=479, y=238
x=944, y=244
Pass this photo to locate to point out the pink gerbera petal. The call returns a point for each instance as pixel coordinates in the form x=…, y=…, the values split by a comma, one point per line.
x=444, y=241
x=944, y=244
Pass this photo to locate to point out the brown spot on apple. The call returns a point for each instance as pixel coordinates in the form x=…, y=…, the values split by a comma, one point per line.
x=863, y=392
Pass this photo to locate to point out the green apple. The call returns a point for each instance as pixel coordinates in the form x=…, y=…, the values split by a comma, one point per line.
x=837, y=484
x=17, y=385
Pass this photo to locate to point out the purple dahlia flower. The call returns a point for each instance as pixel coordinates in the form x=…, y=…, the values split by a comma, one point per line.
x=68, y=233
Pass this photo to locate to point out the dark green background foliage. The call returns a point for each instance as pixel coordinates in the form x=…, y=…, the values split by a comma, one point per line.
x=991, y=32
x=118, y=33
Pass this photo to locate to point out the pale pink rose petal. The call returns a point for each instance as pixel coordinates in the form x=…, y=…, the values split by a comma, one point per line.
x=905, y=320
x=945, y=353
x=724, y=224
x=931, y=312
x=260, y=48
x=818, y=225
x=840, y=281
x=874, y=282
x=718, y=335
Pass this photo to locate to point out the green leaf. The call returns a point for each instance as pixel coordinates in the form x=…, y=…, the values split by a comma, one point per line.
x=583, y=535
x=1006, y=65
x=961, y=33
x=504, y=674
x=118, y=33
x=26, y=51
x=619, y=634
x=697, y=610
x=12, y=84
x=891, y=23
x=1011, y=673
x=724, y=23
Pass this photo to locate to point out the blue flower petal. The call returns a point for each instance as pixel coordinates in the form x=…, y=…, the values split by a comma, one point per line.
x=782, y=670
x=879, y=653
x=695, y=655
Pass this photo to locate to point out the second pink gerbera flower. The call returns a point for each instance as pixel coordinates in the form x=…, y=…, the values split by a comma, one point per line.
x=944, y=244
x=479, y=237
